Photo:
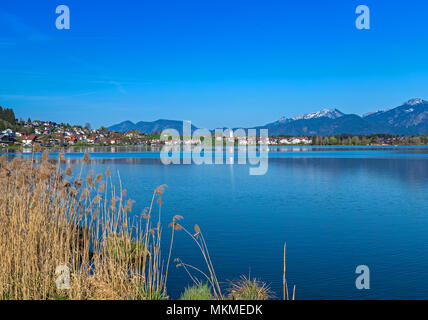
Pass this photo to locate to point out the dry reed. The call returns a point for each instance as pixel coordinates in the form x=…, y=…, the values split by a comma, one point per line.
x=48, y=222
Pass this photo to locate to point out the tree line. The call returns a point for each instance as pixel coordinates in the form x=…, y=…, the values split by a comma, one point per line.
x=373, y=139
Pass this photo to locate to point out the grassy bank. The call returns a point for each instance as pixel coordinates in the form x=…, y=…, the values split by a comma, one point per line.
x=64, y=236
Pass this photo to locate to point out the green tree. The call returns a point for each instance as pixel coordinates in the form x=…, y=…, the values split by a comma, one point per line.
x=415, y=140
x=355, y=140
x=333, y=140
x=325, y=141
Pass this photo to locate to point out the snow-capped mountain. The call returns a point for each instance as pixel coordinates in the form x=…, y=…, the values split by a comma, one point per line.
x=285, y=119
x=328, y=113
x=410, y=103
x=414, y=102
x=411, y=118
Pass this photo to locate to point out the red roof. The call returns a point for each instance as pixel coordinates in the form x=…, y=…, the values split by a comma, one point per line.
x=31, y=137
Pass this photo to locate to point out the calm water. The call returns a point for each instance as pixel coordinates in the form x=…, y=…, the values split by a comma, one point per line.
x=335, y=207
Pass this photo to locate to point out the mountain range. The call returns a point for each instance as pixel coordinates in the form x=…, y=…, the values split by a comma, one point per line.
x=411, y=118
x=149, y=127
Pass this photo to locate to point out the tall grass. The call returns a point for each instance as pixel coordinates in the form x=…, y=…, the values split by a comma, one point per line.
x=209, y=275
x=49, y=220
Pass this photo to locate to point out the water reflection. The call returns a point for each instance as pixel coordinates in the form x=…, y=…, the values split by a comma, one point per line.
x=413, y=171
x=410, y=167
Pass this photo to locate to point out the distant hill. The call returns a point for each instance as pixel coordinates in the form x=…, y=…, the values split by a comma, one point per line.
x=411, y=118
x=322, y=126
x=124, y=126
x=150, y=127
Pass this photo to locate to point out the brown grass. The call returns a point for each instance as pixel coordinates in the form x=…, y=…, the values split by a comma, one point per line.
x=208, y=275
x=47, y=221
x=249, y=289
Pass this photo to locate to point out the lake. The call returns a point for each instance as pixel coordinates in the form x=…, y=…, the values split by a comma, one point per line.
x=335, y=207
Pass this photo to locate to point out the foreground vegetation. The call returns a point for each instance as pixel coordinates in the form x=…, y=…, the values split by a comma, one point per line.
x=67, y=237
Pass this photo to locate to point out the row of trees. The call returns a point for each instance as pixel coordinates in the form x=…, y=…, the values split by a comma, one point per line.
x=347, y=139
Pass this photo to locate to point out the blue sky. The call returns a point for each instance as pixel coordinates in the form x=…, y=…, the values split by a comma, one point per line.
x=214, y=62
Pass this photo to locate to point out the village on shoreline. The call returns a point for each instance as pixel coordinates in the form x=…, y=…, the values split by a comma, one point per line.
x=50, y=134
x=15, y=134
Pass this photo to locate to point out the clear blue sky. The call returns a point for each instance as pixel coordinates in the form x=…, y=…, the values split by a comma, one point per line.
x=214, y=62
